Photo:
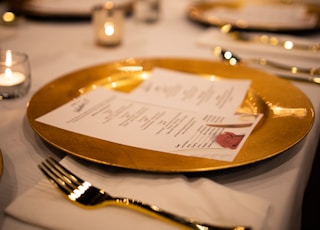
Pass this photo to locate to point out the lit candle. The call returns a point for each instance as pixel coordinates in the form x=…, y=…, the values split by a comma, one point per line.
x=9, y=78
x=15, y=77
x=107, y=20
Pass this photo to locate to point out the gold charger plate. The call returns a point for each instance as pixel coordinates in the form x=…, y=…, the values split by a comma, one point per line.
x=288, y=114
x=197, y=12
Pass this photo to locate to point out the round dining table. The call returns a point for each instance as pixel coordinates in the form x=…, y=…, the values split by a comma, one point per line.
x=58, y=46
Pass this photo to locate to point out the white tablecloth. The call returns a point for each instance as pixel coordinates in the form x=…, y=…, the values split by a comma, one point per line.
x=56, y=48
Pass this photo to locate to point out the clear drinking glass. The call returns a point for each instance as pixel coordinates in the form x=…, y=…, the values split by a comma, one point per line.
x=147, y=11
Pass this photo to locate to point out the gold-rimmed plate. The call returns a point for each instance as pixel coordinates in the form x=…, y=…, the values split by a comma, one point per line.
x=65, y=9
x=239, y=15
x=288, y=114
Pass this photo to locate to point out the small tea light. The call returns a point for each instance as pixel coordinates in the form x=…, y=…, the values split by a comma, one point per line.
x=15, y=76
x=108, y=22
x=9, y=78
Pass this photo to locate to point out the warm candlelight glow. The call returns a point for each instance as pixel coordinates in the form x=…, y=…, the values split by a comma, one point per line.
x=109, y=28
x=8, y=17
x=14, y=74
x=8, y=58
x=9, y=78
x=109, y=5
x=107, y=22
x=8, y=73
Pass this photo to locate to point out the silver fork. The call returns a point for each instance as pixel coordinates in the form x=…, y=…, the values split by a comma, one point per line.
x=87, y=196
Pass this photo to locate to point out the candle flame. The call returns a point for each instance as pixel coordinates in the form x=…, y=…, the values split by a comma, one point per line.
x=8, y=17
x=8, y=73
x=109, y=5
x=8, y=58
x=109, y=28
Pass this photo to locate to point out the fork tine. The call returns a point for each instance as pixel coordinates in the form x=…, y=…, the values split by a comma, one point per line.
x=54, y=179
x=59, y=175
x=65, y=173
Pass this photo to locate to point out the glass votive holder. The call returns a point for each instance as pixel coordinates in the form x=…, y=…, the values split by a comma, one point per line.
x=107, y=21
x=147, y=11
x=15, y=76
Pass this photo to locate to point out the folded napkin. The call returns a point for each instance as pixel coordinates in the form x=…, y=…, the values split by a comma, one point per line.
x=198, y=198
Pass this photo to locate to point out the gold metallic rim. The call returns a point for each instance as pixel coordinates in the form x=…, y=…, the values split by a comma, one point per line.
x=288, y=114
x=196, y=12
x=26, y=8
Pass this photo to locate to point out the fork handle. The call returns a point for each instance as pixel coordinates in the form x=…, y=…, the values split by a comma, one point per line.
x=156, y=212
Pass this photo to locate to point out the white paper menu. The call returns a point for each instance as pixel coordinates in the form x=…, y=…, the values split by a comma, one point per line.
x=191, y=92
x=122, y=118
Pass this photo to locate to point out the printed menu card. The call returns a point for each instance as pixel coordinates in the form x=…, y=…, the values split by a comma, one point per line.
x=171, y=111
